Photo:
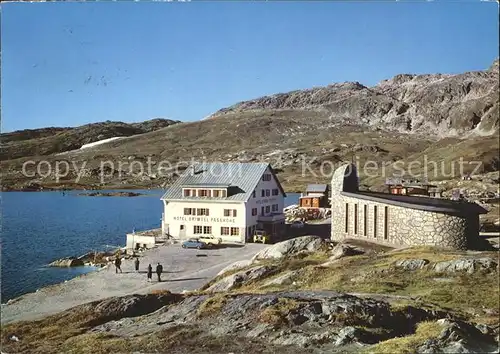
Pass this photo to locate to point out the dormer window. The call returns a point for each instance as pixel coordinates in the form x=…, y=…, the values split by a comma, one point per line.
x=205, y=192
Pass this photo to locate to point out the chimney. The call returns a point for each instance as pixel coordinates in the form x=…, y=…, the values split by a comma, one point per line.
x=192, y=169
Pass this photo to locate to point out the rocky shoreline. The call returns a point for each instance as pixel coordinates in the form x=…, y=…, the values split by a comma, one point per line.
x=93, y=259
x=111, y=194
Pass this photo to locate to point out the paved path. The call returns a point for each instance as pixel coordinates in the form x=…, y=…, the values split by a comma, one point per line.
x=184, y=269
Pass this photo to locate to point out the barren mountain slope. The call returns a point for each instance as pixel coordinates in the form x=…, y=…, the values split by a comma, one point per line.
x=441, y=105
x=46, y=141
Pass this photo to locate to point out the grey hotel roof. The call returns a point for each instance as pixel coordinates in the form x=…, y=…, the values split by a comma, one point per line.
x=241, y=177
x=321, y=188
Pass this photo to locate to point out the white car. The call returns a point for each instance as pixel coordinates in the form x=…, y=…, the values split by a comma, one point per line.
x=297, y=224
x=210, y=240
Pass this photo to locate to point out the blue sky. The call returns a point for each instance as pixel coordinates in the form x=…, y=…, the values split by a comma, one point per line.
x=68, y=64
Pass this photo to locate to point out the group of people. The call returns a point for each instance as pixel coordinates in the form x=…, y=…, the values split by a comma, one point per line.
x=159, y=268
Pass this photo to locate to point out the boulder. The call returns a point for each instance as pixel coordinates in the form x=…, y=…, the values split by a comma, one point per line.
x=459, y=337
x=468, y=265
x=236, y=265
x=284, y=279
x=411, y=264
x=348, y=335
x=67, y=262
x=291, y=247
x=345, y=250
x=237, y=279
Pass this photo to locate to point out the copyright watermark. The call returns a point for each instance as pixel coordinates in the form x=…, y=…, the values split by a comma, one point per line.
x=106, y=170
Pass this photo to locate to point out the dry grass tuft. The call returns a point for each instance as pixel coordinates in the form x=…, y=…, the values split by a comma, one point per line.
x=160, y=292
x=277, y=314
x=408, y=344
x=213, y=305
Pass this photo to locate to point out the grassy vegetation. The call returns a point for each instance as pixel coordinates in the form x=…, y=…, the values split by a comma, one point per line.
x=408, y=344
x=461, y=292
x=212, y=305
x=276, y=314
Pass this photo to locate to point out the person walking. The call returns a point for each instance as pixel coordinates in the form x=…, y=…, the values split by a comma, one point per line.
x=118, y=264
x=136, y=264
x=159, y=270
x=150, y=272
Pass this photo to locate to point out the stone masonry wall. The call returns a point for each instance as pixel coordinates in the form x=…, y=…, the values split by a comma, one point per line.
x=404, y=227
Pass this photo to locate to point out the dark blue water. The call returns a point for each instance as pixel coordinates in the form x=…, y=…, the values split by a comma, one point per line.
x=39, y=227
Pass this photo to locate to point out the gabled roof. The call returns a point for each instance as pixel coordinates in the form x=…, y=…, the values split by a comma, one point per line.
x=240, y=178
x=316, y=188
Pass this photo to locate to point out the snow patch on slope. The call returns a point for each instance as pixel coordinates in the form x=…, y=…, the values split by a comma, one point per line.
x=99, y=142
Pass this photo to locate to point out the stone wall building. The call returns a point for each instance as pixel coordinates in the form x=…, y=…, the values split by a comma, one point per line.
x=400, y=220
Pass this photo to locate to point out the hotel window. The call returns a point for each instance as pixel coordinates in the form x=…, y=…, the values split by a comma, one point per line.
x=253, y=194
x=223, y=193
x=230, y=212
x=386, y=223
x=375, y=221
x=202, y=212
x=262, y=211
x=268, y=209
x=202, y=193
x=193, y=192
x=275, y=207
x=207, y=230
x=215, y=193
x=224, y=230
x=268, y=192
x=263, y=193
x=276, y=191
x=189, y=211
x=254, y=211
x=356, y=219
x=235, y=231
x=266, y=177
x=365, y=219
x=187, y=192
x=346, y=217
x=198, y=229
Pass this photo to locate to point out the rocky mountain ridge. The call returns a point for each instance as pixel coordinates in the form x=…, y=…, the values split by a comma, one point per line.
x=53, y=140
x=438, y=104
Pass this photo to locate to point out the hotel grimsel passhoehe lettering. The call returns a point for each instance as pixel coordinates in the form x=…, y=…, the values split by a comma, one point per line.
x=204, y=219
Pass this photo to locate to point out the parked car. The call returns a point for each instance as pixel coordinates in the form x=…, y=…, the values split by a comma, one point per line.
x=211, y=240
x=194, y=243
x=297, y=224
x=261, y=236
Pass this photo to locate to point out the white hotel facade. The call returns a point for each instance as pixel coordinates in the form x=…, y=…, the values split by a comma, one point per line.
x=227, y=200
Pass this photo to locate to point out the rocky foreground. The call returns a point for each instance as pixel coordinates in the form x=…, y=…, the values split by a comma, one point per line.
x=297, y=296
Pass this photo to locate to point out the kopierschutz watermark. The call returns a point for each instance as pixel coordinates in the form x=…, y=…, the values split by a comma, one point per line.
x=106, y=170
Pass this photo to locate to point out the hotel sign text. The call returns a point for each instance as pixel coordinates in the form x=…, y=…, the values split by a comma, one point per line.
x=264, y=201
x=204, y=219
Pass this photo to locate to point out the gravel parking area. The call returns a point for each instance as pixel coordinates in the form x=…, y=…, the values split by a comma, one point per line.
x=183, y=269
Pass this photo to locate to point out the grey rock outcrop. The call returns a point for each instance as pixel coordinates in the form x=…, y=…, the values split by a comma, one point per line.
x=469, y=265
x=67, y=262
x=236, y=265
x=283, y=279
x=459, y=337
x=411, y=264
x=237, y=279
x=345, y=250
x=291, y=247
